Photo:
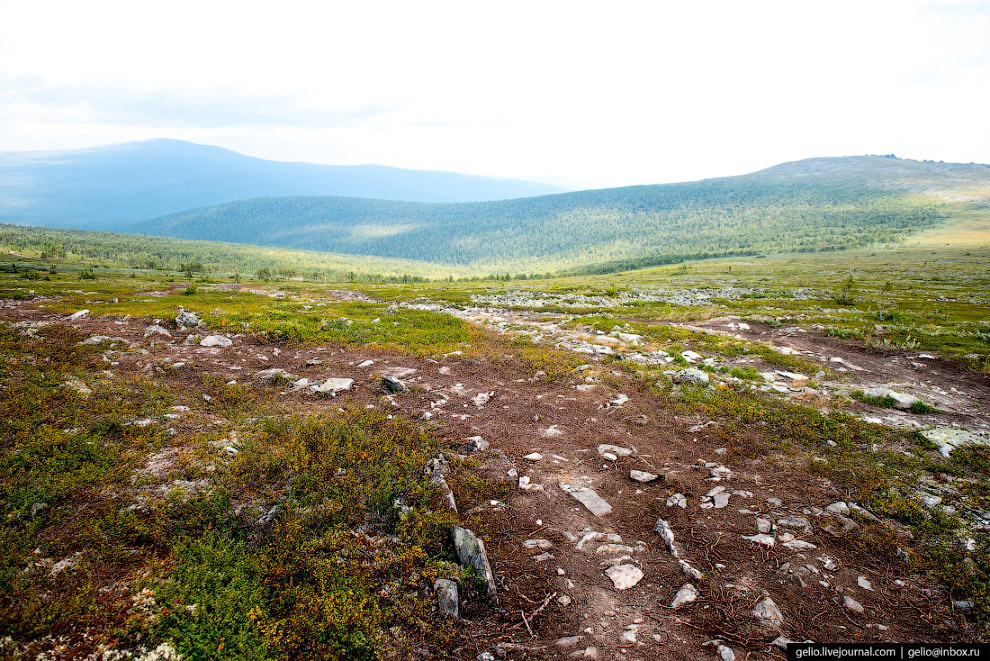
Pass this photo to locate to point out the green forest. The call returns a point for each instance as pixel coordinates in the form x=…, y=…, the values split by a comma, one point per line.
x=594, y=230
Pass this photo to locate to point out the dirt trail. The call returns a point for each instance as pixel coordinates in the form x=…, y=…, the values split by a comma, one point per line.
x=560, y=566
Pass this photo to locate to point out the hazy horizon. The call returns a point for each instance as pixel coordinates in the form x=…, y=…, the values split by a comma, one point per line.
x=565, y=93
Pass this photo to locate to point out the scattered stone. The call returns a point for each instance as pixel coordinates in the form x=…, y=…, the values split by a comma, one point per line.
x=769, y=613
x=837, y=508
x=471, y=552
x=624, y=576
x=765, y=540
x=794, y=522
x=677, y=499
x=569, y=642
x=615, y=450
x=332, y=386
x=392, y=385
x=619, y=400
x=964, y=604
x=447, y=599
x=551, y=432
x=82, y=314
x=864, y=583
x=537, y=545
x=800, y=545
x=274, y=374
x=216, y=341
x=902, y=401
x=691, y=375
x=533, y=456
x=689, y=571
x=725, y=653
x=155, y=329
x=852, y=605
x=187, y=319
x=587, y=497
x=948, y=438
x=475, y=444
x=721, y=500
x=684, y=596
x=667, y=535
x=481, y=399
x=774, y=502
x=763, y=526
x=642, y=476
x=721, y=473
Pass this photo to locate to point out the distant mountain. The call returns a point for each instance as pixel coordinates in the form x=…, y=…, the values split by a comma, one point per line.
x=93, y=188
x=812, y=205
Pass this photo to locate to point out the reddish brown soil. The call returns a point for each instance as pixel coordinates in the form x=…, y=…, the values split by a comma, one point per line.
x=525, y=619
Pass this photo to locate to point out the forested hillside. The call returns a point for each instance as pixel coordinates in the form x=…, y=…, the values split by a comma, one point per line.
x=92, y=188
x=776, y=210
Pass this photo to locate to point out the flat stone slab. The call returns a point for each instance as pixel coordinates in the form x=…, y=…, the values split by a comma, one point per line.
x=589, y=498
x=624, y=576
x=948, y=438
x=216, y=341
x=333, y=385
x=642, y=476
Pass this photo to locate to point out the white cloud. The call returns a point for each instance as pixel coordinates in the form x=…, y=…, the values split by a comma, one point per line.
x=632, y=92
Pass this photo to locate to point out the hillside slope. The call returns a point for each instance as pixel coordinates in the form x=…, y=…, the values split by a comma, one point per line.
x=806, y=206
x=91, y=188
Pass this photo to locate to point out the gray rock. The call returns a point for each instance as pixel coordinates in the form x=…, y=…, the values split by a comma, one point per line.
x=589, y=498
x=624, y=576
x=902, y=400
x=82, y=314
x=475, y=444
x=684, y=596
x=155, y=329
x=794, y=522
x=187, y=319
x=447, y=598
x=216, y=341
x=276, y=373
x=721, y=500
x=471, y=552
x=393, y=385
x=769, y=613
x=569, y=642
x=642, y=476
x=616, y=450
x=852, y=605
x=765, y=540
x=537, y=545
x=691, y=375
x=725, y=653
x=332, y=386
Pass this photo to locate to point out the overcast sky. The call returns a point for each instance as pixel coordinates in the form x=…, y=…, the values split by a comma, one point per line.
x=591, y=93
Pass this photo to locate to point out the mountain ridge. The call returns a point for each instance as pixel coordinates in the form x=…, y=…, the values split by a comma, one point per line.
x=97, y=186
x=811, y=205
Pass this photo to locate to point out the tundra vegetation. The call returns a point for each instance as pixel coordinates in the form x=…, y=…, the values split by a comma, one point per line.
x=159, y=499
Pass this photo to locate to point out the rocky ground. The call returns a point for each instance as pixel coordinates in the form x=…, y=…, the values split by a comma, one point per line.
x=629, y=531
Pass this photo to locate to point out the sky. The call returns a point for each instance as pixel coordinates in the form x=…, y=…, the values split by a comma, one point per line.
x=579, y=93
